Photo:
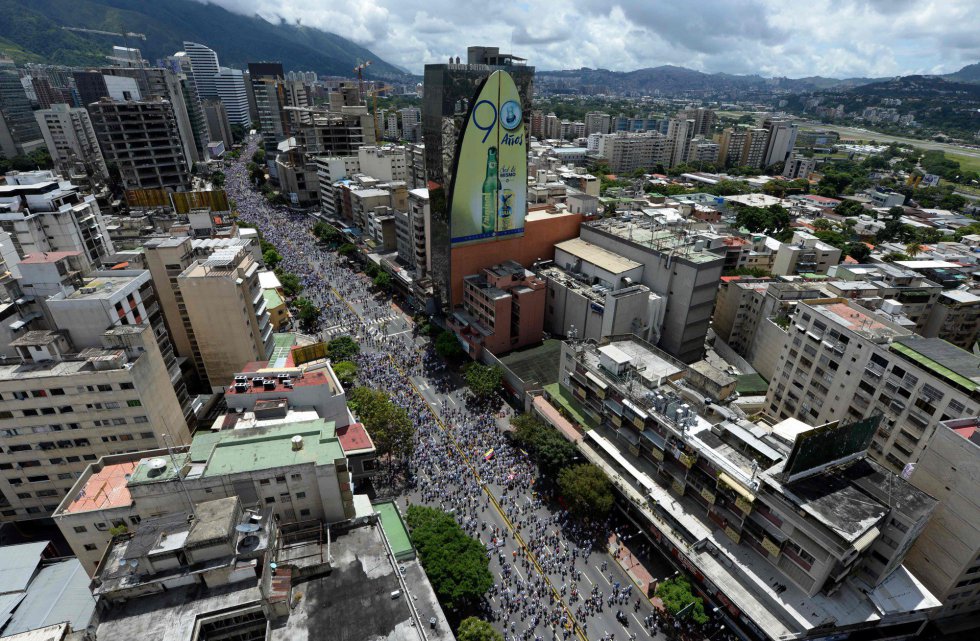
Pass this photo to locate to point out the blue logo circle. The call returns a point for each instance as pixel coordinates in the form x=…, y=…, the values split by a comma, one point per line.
x=510, y=115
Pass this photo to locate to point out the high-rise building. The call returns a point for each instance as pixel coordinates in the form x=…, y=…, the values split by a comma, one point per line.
x=45, y=214
x=597, y=122
x=781, y=140
x=204, y=66
x=144, y=142
x=63, y=408
x=679, y=133
x=217, y=122
x=626, y=152
x=230, y=85
x=19, y=133
x=411, y=122
x=701, y=151
x=704, y=120
x=273, y=94
x=798, y=167
x=742, y=147
x=220, y=292
x=946, y=556
x=71, y=140
x=842, y=361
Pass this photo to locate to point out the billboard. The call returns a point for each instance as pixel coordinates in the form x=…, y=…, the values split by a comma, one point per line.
x=830, y=444
x=489, y=196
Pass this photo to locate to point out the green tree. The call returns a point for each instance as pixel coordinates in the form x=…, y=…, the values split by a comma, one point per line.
x=755, y=272
x=389, y=425
x=271, y=258
x=913, y=249
x=483, y=380
x=307, y=312
x=822, y=224
x=259, y=156
x=218, y=179
x=676, y=595
x=849, y=208
x=457, y=565
x=347, y=250
x=757, y=219
x=892, y=257
x=587, y=490
x=342, y=348
x=346, y=372
x=552, y=451
x=326, y=233
x=858, y=251
x=382, y=281
x=474, y=629
x=291, y=284
x=447, y=345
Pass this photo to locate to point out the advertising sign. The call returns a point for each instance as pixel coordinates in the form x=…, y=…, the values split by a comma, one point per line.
x=489, y=197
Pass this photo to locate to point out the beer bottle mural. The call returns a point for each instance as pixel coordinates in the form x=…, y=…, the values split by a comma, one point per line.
x=489, y=196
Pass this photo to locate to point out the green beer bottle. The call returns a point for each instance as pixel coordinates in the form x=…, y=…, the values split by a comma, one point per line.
x=491, y=185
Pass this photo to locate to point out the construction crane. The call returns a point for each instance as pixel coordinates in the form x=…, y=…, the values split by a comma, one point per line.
x=359, y=69
x=125, y=35
x=374, y=109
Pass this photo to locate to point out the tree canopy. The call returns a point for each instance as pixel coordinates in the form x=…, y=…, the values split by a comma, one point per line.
x=483, y=380
x=307, y=312
x=676, y=595
x=388, y=424
x=457, y=565
x=474, y=629
x=587, y=490
x=342, y=348
x=346, y=372
x=757, y=219
x=447, y=345
x=552, y=451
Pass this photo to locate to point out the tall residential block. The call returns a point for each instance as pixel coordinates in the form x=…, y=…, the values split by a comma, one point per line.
x=62, y=408
x=781, y=140
x=143, y=140
x=19, y=133
x=71, y=140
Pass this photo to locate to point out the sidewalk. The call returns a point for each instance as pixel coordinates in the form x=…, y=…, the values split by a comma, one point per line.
x=634, y=568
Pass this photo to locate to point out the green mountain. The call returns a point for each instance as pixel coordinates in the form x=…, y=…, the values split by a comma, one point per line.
x=32, y=31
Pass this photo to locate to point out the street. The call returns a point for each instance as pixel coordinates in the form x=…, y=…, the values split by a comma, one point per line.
x=554, y=577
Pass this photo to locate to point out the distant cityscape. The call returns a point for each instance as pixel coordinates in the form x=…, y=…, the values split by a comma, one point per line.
x=493, y=354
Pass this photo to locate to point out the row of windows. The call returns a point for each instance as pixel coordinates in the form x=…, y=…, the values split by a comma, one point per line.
x=45, y=429
x=22, y=395
x=66, y=409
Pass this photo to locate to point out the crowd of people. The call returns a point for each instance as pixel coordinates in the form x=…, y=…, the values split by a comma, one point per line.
x=463, y=462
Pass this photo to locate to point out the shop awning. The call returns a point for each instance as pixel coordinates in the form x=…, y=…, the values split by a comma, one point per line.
x=736, y=486
x=595, y=379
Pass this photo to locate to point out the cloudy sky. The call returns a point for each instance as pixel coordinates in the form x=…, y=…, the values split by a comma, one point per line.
x=837, y=38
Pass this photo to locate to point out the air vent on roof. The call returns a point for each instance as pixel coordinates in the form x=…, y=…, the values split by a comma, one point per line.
x=157, y=466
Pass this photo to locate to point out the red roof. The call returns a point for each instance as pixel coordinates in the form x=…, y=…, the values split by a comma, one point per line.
x=354, y=437
x=306, y=380
x=47, y=257
x=821, y=199
x=966, y=432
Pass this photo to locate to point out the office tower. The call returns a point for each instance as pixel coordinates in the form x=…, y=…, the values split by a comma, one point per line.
x=44, y=214
x=273, y=95
x=781, y=140
x=946, y=556
x=143, y=140
x=46, y=94
x=71, y=140
x=204, y=66
x=704, y=120
x=449, y=89
x=597, y=122
x=411, y=124
x=19, y=133
x=230, y=85
x=63, y=408
x=217, y=122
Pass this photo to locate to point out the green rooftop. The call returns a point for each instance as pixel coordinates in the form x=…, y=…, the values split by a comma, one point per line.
x=751, y=385
x=258, y=448
x=571, y=406
x=395, y=530
x=272, y=298
x=248, y=449
x=913, y=348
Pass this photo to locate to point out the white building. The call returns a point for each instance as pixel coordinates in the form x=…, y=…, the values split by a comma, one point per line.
x=70, y=138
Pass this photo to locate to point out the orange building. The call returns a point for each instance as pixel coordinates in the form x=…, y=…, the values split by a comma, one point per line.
x=502, y=309
x=542, y=229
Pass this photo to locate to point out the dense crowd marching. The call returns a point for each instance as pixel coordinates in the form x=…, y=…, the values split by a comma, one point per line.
x=464, y=462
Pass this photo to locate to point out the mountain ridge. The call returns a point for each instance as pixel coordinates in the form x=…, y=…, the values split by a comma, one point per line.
x=32, y=31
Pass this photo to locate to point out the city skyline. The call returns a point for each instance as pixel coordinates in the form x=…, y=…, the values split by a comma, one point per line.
x=834, y=38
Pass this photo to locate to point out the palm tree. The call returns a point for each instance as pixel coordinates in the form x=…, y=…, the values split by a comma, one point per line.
x=913, y=249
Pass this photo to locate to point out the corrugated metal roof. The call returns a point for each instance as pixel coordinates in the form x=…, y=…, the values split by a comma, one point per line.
x=17, y=565
x=8, y=603
x=59, y=593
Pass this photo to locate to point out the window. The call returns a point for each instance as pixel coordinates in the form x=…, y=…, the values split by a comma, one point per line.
x=105, y=388
x=66, y=409
x=90, y=547
x=41, y=478
x=140, y=419
x=280, y=479
x=296, y=477
x=47, y=493
x=135, y=519
x=56, y=391
x=112, y=405
x=24, y=495
x=301, y=495
x=89, y=457
x=101, y=526
x=264, y=482
x=134, y=403
x=126, y=386
x=304, y=512
x=270, y=499
x=80, y=529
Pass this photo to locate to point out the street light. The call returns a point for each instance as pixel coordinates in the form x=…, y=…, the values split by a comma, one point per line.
x=720, y=628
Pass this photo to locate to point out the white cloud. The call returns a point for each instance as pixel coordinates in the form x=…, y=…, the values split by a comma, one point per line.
x=772, y=37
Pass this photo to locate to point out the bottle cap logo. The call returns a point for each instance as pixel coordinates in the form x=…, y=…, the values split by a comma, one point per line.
x=510, y=115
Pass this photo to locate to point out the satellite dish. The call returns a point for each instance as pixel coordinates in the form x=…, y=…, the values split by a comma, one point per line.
x=122, y=562
x=247, y=527
x=157, y=463
x=134, y=562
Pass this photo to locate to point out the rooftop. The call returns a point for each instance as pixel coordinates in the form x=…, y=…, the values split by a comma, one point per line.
x=601, y=258
x=104, y=490
x=859, y=322
x=47, y=257
x=354, y=438
x=943, y=359
x=268, y=381
x=649, y=233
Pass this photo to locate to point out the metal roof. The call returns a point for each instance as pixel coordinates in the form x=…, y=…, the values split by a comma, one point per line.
x=18, y=563
x=60, y=592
